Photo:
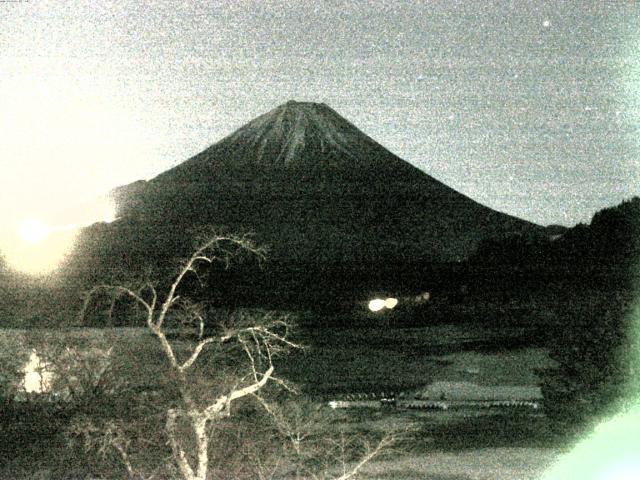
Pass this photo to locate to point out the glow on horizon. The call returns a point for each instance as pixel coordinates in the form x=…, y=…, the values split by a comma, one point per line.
x=67, y=139
x=109, y=213
x=37, y=257
x=36, y=247
x=33, y=231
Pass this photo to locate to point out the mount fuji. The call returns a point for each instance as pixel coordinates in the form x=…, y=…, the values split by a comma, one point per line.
x=313, y=188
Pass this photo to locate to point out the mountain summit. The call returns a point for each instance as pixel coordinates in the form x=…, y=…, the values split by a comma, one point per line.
x=314, y=189
x=303, y=139
x=293, y=132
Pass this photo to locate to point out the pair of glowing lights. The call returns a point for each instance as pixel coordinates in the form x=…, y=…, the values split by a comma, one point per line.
x=378, y=304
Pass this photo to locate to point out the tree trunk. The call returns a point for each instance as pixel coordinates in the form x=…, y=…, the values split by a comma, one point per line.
x=178, y=453
x=199, y=422
x=199, y=427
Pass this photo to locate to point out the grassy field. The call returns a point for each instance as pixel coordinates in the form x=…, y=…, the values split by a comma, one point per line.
x=479, y=464
x=338, y=360
x=345, y=360
x=454, y=446
x=440, y=445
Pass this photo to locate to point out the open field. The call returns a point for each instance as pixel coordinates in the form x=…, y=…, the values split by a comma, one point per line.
x=340, y=360
x=454, y=446
x=480, y=464
x=346, y=360
x=337, y=361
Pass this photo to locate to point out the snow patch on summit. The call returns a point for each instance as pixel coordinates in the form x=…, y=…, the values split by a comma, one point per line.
x=287, y=130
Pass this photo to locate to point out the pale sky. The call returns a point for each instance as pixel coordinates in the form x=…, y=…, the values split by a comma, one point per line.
x=529, y=107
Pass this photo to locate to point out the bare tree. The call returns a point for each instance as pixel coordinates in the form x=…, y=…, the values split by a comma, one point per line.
x=258, y=340
x=316, y=451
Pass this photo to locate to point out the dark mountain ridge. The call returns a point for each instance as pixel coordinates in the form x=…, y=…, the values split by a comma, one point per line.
x=304, y=170
x=601, y=257
x=318, y=192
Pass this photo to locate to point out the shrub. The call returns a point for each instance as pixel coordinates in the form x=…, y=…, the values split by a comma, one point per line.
x=593, y=347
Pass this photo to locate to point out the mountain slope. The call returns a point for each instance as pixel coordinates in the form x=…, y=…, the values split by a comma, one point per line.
x=320, y=194
x=307, y=140
x=308, y=182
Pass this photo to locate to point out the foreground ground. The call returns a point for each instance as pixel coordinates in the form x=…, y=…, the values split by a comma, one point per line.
x=477, y=464
x=498, y=445
x=438, y=445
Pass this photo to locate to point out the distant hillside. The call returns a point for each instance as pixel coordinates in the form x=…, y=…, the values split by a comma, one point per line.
x=604, y=254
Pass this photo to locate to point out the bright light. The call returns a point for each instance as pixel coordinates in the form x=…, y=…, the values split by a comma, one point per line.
x=35, y=248
x=109, y=213
x=376, y=304
x=100, y=209
x=37, y=379
x=70, y=138
x=390, y=303
x=33, y=231
x=626, y=470
x=611, y=452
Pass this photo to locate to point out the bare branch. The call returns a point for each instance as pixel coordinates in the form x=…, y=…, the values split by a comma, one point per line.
x=282, y=424
x=250, y=356
x=288, y=386
x=196, y=353
x=275, y=336
x=125, y=459
x=212, y=410
x=200, y=326
x=112, y=306
x=203, y=259
x=166, y=346
x=115, y=291
x=198, y=256
x=259, y=342
x=382, y=445
x=154, y=295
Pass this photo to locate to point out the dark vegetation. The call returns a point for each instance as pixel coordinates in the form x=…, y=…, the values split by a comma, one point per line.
x=588, y=280
x=572, y=292
x=227, y=416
